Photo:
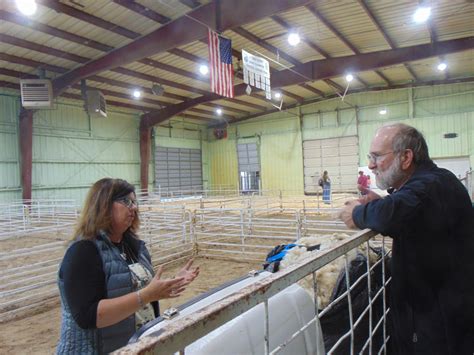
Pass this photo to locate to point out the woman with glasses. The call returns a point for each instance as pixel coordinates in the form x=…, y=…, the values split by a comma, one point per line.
x=106, y=280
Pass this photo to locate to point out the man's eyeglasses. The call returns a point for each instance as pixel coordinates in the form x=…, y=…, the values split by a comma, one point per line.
x=127, y=202
x=376, y=157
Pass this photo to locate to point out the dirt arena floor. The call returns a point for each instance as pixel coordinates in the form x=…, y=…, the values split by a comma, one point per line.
x=38, y=334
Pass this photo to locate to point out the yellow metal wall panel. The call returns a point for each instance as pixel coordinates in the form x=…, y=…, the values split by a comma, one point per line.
x=223, y=165
x=281, y=160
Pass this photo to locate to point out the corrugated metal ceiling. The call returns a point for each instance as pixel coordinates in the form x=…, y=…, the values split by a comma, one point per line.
x=68, y=34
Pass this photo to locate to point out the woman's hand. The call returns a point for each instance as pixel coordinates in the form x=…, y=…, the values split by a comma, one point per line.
x=187, y=273
x=159, y=289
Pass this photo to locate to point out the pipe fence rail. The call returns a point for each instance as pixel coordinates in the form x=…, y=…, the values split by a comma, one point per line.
x=181, y=332
x=241, y=227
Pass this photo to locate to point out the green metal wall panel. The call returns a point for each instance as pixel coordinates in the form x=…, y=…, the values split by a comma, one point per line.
x=70, y=151
x=434, y=110
x=179, y=135
x=9, y=151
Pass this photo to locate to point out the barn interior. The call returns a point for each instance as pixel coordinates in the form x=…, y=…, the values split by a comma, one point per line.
x=124, y=89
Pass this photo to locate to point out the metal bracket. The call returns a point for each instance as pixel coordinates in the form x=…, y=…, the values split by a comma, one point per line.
x=170, y=313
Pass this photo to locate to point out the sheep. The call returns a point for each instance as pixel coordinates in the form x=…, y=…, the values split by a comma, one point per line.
x=326, y=276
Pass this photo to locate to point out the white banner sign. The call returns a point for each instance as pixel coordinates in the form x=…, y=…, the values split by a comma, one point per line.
x=257, y=72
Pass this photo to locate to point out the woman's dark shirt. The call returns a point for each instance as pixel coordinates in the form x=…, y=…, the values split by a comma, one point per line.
x=84, y=282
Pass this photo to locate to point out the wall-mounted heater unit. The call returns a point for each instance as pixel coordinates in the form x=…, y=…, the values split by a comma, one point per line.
x=36, y=93
x=96, y=104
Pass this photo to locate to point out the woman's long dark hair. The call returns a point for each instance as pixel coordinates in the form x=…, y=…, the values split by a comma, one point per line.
x=96, y=214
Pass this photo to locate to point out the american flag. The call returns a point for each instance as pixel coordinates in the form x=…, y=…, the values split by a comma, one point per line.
x=220, y=60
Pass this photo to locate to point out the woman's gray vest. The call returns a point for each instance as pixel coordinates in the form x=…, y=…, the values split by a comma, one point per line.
x=74, y=339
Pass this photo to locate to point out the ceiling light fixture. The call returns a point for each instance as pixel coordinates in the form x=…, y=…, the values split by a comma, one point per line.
x=442, y=66
x=383, y=111
x=422, y=14
x=203, y=69
x=277, y=95
x=137, y=93
x=26, y=7
x=219, y=111
x=349, y=78
x=294, y=38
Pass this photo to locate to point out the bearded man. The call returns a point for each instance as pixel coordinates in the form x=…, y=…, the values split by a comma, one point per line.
x=429, y=215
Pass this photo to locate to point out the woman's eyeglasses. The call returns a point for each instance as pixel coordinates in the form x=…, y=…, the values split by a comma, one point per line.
x=127, y=202
x=375, y=157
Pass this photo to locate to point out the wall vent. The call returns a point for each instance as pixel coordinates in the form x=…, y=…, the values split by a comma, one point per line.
x=96, y=104
x=36, y=93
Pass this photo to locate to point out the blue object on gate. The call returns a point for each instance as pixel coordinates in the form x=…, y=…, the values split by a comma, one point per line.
x=280, y=255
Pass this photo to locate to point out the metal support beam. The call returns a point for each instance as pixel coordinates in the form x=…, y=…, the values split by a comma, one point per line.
x=145, y=150
x=179, y=32
x=25, y=136
x=327, y=68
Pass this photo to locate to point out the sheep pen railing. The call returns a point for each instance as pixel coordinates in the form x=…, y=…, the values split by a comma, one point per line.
x=181, y=332
x=173, y=231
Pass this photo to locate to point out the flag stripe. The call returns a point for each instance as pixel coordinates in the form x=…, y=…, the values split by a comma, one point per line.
x=220, y=63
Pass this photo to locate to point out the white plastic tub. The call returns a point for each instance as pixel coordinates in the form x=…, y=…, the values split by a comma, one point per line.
x=289, y=311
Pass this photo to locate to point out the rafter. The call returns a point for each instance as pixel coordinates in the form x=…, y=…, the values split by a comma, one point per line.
x=382, y=88
x=84, y=16
x=20, y=20
x=53, y=31
x=56, y=69
x=179, y=32
x=143, y=10
x=67, y=95
x=343, y=39
x=384, y=33
x=190, y=3
x=327, y=68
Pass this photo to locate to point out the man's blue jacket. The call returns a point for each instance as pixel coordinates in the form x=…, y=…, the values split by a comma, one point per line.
x=431, y=221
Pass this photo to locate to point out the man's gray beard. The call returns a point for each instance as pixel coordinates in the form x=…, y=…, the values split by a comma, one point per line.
x=390, y=177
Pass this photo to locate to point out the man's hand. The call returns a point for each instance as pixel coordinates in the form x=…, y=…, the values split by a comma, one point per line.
x=370, y=196
x=346, y=213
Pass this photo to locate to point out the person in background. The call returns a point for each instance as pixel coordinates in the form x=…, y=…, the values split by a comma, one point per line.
x=430, y=218
x=362, y=183
x=325, y=183
x=106, y=280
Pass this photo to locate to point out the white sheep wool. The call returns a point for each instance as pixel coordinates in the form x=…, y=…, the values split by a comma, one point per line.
x=327, y=276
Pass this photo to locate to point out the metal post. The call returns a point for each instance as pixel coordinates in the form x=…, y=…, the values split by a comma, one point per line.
x=369, y=294
x=242, y=231
x=267, y=329
x=349, y=302
x=281, y=203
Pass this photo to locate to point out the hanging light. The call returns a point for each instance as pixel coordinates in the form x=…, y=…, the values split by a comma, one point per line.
x=442, y=66
x=422, y=14
x=277, y=95
x=137, y=93
x=383, y=111
x=219, y=111
x=26, y=7
x=294, y=38
x=349, y=78
x=203, y=69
